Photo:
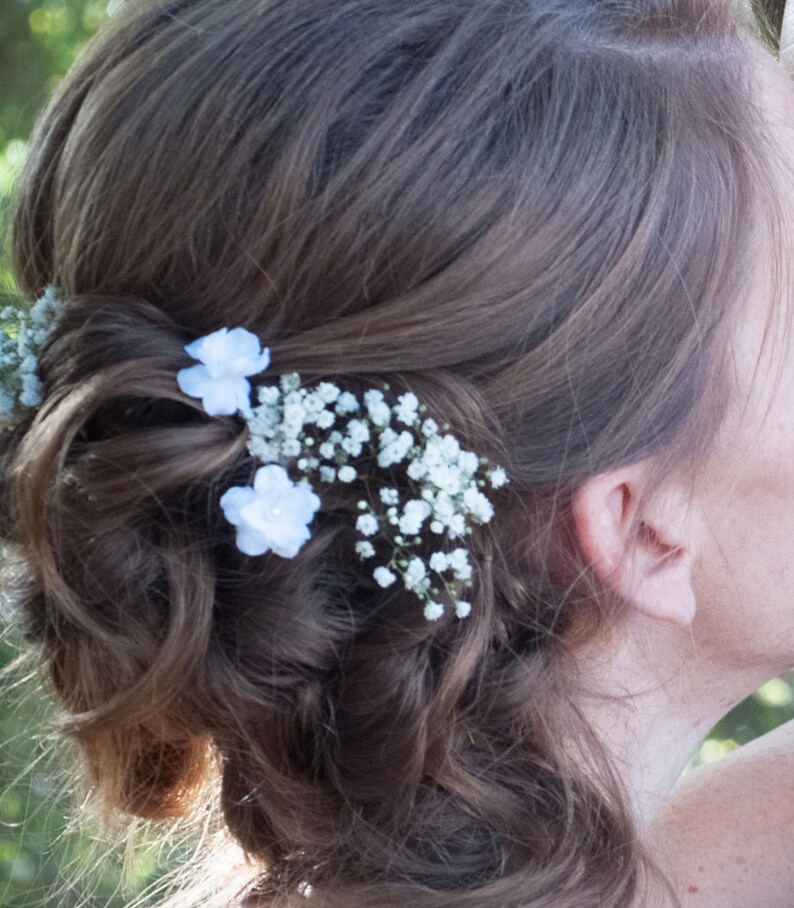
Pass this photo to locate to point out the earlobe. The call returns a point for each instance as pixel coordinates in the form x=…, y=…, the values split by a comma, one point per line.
x=641, y=556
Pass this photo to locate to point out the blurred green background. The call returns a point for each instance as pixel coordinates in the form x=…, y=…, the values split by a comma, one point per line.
x=50, y=854
x=38, y=41
x=45, y=857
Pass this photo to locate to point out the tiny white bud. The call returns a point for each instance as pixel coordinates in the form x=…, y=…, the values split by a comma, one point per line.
x=384, y=577
x=367, y=524
x=327, y=474
x=365, y=550
x=498, y=477
x=439, y=561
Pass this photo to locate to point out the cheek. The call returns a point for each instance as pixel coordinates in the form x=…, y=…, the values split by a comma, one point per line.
x=764, y=473
x=748, y=488
x=745, y=563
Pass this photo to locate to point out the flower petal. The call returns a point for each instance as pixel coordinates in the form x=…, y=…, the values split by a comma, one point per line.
x=194, y=381
x=233, y=500
x=272, y=480
x=226, y=395
x=211, y=350
x=243, y=356
x=291, y=539
x=305, y=503
x=241, y=390
x=251, y=542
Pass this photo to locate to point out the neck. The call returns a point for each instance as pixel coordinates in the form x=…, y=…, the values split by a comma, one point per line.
x=652, y=696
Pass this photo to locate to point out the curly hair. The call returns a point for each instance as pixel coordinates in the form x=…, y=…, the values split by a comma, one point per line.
x=531, y=214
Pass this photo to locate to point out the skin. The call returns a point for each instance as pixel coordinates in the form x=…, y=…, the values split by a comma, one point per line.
x=723, y=835
x=712, y=617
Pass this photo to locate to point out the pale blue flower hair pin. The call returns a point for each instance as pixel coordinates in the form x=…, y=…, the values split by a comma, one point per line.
x=330, y=434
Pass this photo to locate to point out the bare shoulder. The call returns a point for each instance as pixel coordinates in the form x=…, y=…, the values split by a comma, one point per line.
x=724, y=833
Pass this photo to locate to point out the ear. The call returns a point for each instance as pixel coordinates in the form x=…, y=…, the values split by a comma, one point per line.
x=653, y=572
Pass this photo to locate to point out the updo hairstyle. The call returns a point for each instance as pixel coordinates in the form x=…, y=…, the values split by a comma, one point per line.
x=534, y=215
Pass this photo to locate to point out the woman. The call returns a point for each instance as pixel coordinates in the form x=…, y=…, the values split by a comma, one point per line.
x=557, y=227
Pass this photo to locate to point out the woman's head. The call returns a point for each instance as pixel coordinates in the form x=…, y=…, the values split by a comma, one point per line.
x=534, y=216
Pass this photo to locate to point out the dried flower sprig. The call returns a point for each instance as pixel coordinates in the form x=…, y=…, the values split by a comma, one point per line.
x=22, y=333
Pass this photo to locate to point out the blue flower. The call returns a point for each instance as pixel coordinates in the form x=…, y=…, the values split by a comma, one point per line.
x=227, y=358
x=273, y=515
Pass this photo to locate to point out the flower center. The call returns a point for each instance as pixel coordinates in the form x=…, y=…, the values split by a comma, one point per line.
x=275, y=512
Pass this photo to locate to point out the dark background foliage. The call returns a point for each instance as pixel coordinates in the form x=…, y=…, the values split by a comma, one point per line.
x=46, y=857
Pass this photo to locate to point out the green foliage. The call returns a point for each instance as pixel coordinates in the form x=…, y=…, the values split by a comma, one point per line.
x=767, y=708
x=46, y=856
x=38, y=41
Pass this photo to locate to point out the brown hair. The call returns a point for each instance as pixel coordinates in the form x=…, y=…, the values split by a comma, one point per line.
x=535, y=216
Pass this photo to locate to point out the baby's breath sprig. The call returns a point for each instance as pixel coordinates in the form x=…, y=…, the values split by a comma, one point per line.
x=331, y=434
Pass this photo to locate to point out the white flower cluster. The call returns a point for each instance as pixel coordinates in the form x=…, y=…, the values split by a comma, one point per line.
x=332, y=435
x=22, y=333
